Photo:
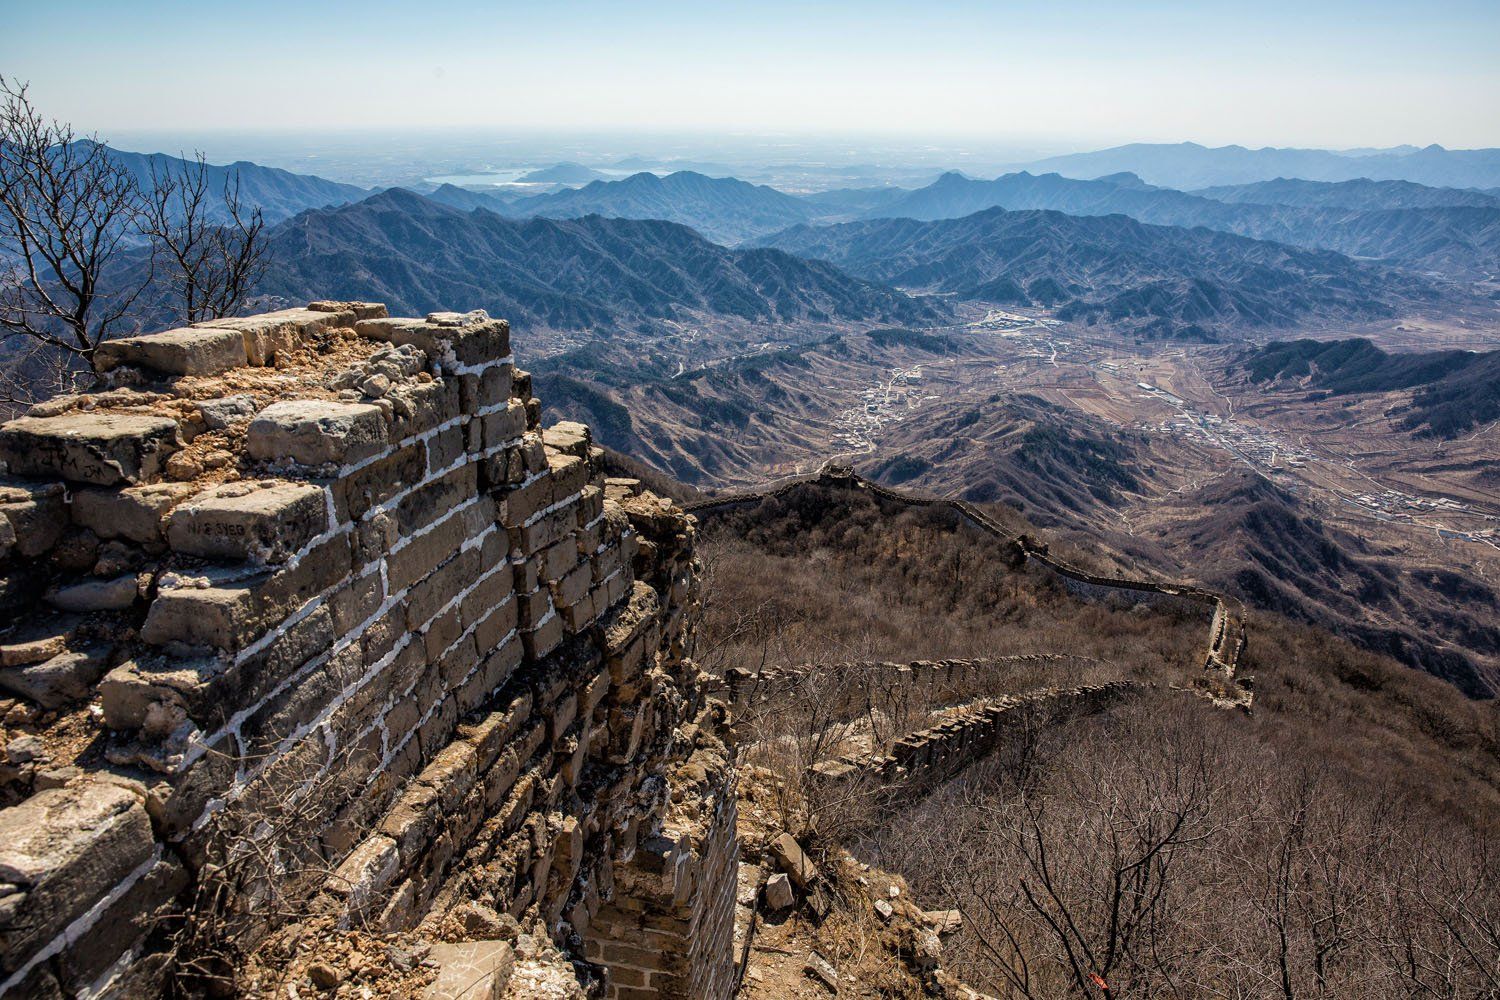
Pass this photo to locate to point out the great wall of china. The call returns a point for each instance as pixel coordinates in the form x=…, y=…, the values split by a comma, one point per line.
x=313, y=624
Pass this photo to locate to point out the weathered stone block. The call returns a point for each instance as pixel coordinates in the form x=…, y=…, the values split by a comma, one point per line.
x=431, y=501
x=122, y=925
x=67, y=677
x=264, y=336
x=62, y=850
x=361, y=310
x=382, y=479
x=544, y=638
x=34, y=516
x=569, y=474
x=134, y=513
x=257, y=521
x=568, y=437
x=505, y=426
x=471, y=970
x=90, y=447
x=316, y=432
x=453, y=340
x=187, y=351
x=365, y=875
x=95, y=595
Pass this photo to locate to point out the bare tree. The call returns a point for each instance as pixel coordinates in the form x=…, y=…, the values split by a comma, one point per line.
x=212, y=249
x=88, y=251
x=67, y=211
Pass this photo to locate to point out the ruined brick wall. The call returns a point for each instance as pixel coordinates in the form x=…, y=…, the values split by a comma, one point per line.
x=310, y=615
x=941, y=751
x=929, y=681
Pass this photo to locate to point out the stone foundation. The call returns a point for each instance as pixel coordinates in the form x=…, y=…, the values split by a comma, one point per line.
x=312, y=616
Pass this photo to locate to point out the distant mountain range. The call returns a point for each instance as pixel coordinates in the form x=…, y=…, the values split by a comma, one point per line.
x=1159, y=280
x=562, y=173
x=1457, y=390
x=1362, y=194
x=418, y=255
x=1188, y=165
x=280, y=194
x=723, y=209
x=1451, y=231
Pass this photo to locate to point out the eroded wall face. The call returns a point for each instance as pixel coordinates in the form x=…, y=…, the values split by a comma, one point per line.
x=348, y=634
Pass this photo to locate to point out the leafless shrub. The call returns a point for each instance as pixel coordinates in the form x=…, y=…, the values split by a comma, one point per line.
x=211, y=250
x=263, y=859
x=81, y=237
x=1148, y=855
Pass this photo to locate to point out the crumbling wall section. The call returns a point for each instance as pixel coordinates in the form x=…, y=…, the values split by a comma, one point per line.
x=312, y=616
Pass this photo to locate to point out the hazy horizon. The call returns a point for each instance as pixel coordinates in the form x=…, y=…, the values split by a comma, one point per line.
x=1039, y=78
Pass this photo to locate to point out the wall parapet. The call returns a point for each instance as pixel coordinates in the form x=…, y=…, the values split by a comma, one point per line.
x=312, y=614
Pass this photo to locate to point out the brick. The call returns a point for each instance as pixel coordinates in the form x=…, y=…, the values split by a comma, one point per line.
x=134, y=513
x=267, y=335
x=526, y=500
x=504, y=425
x=363, y=877
x=544, y=638
x=375, y=484
x=187, y=351
x=434, y=499
x=569, y=474
x=424, y=553
x=265, y=523
x=470, y=970
x=102, y=449
x=314, y=432
x=422, y=406
x=574, y=587
x=63, y=849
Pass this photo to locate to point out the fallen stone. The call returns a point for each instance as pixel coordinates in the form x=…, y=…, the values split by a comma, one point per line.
x=945, y=922
x=316, y=432
x=84, y=447
x=59, y=680
x=778, y=892
x=134, y=513
x=226, y=410
x=790, y=858
x=25, y=749
x=324, y=976
x=821, y=970
x=471, y=970
x=61, y=851
x=187, y=351
x=95, y=595
x=263, y=523
x=886, y=910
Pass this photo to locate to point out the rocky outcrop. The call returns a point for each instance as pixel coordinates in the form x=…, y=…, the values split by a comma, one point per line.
x=311, y=615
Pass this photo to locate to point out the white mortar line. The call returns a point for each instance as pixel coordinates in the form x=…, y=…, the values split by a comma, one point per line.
x=81, y=925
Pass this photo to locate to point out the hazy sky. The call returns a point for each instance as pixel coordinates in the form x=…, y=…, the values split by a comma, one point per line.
x=1080, y=74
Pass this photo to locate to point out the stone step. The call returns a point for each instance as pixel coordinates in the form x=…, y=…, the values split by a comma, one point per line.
x=265, y=521
x=186, y=351
x=102, y=449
